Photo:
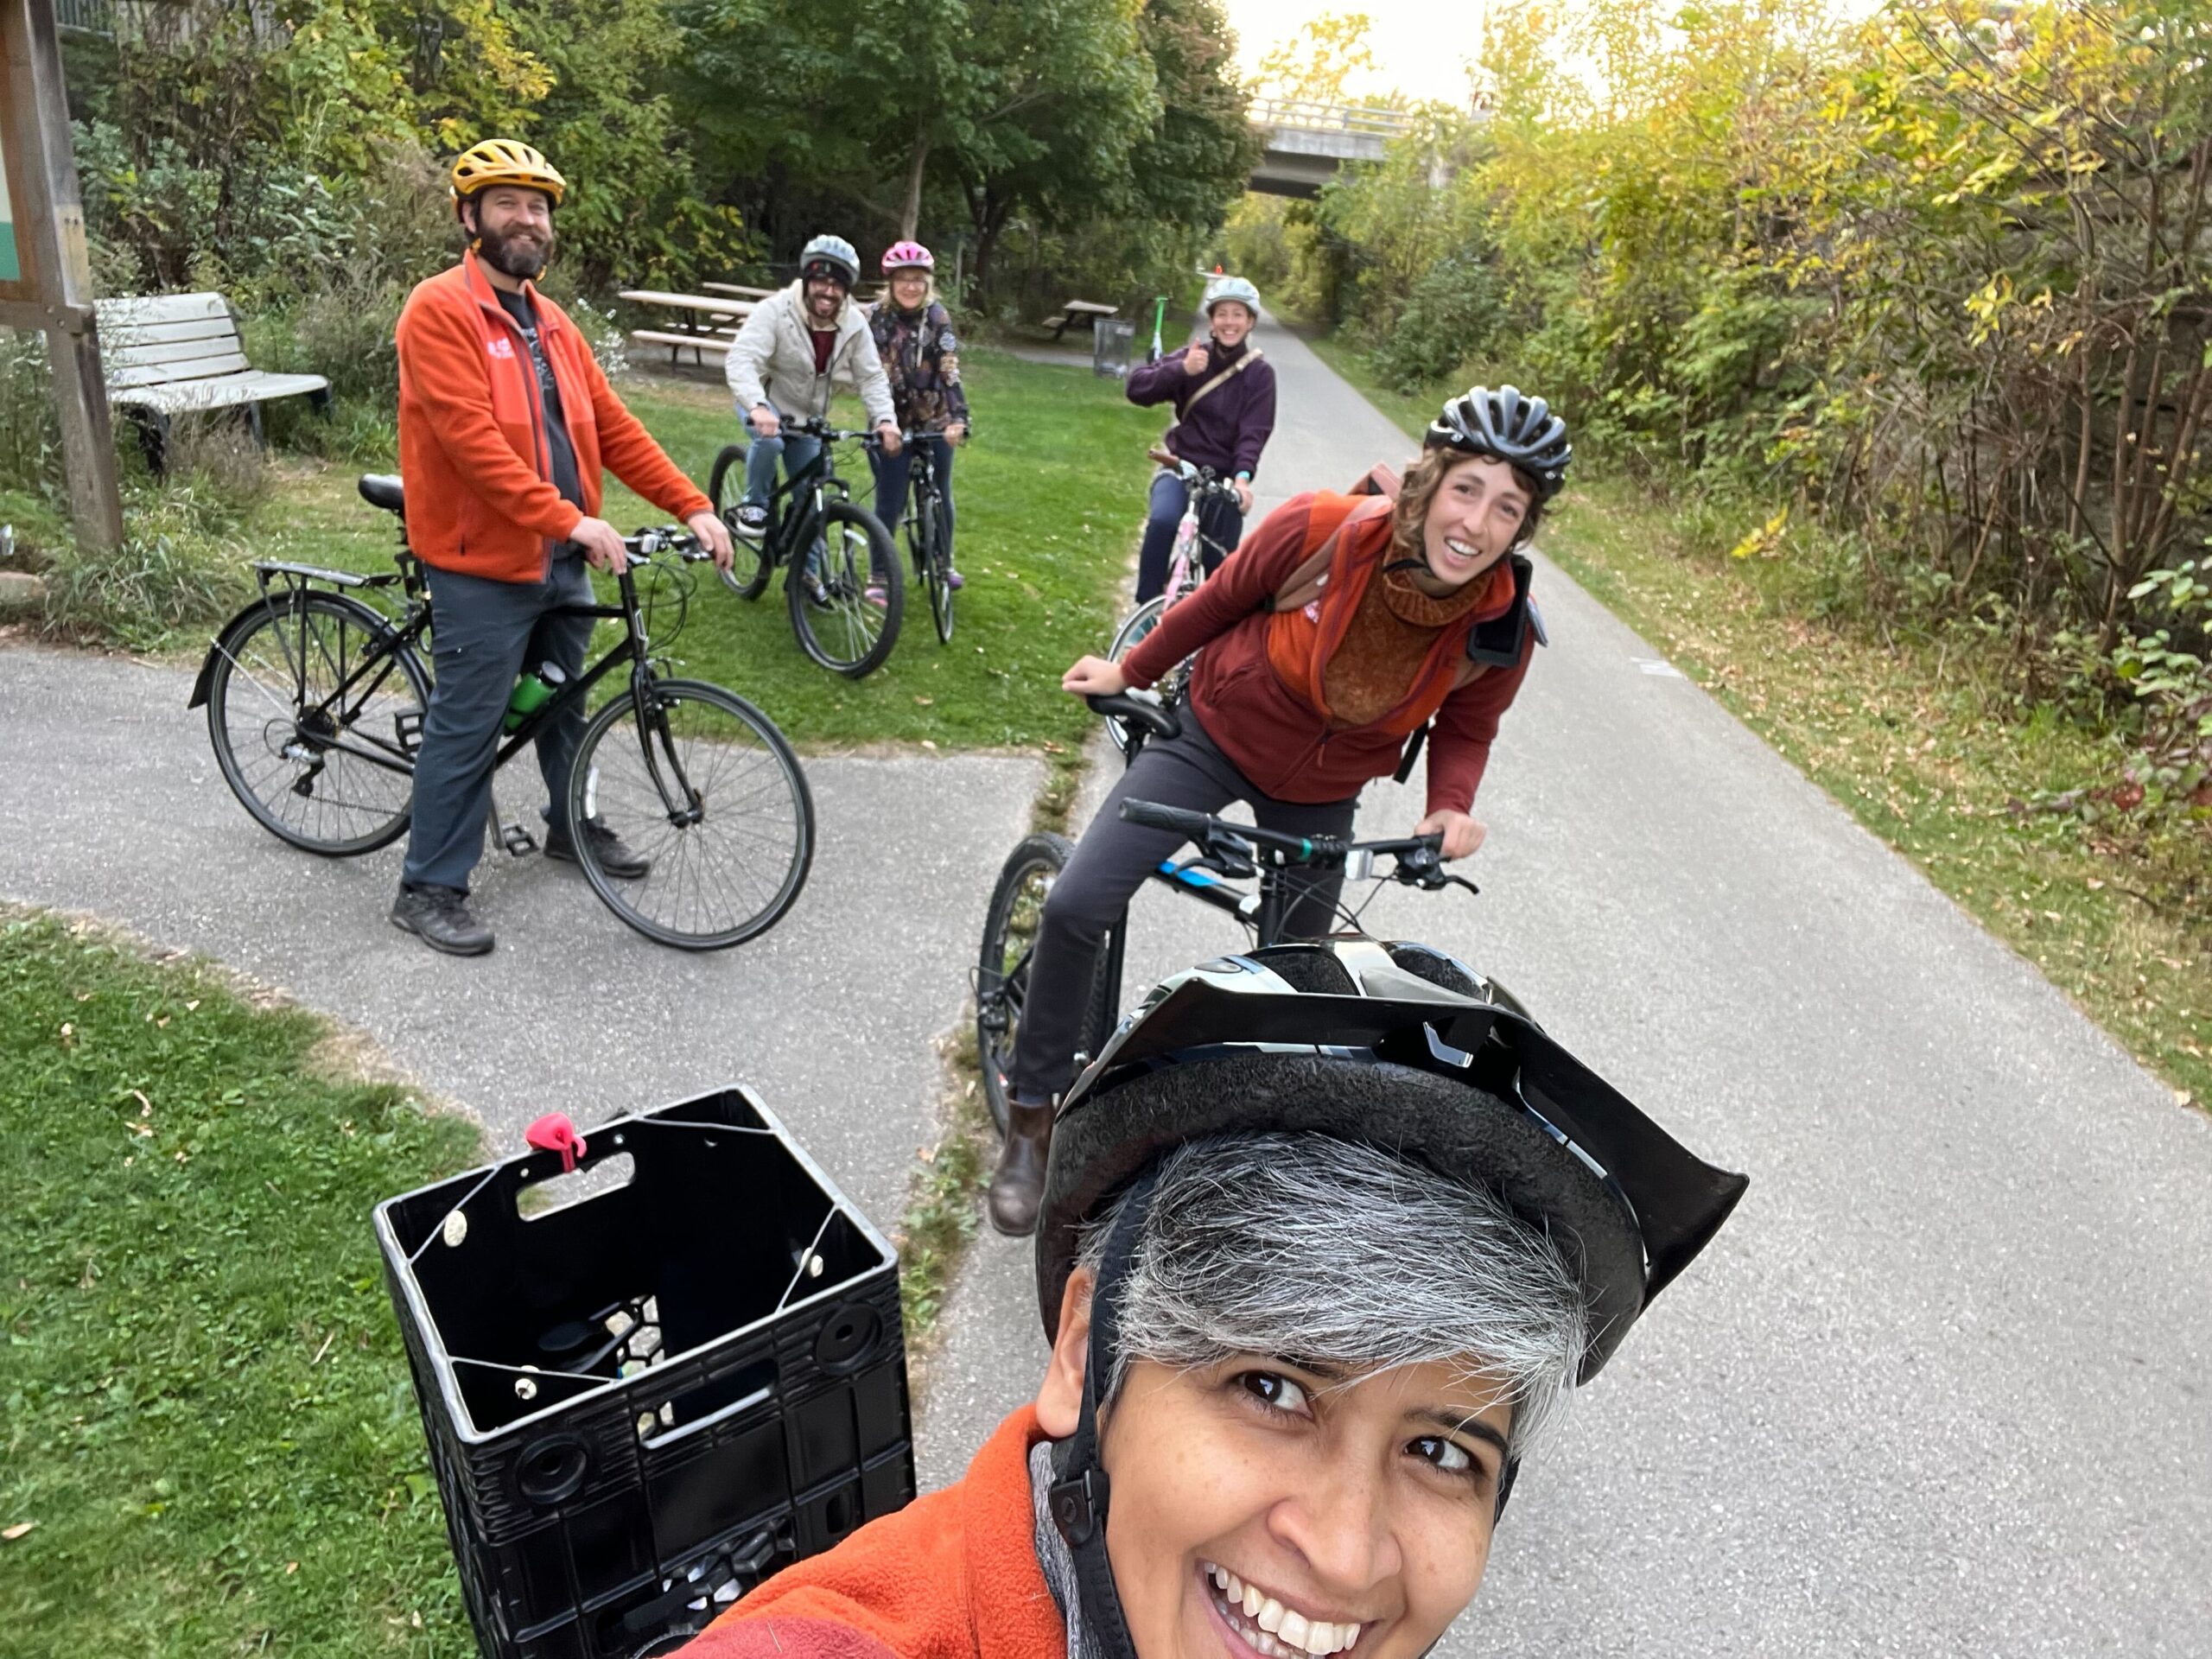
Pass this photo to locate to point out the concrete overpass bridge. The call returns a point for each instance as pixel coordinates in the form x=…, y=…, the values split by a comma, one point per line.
x=1308, y=142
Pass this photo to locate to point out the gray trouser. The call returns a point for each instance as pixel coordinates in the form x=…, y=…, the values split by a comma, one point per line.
x=1113, y=860
x=483, y=632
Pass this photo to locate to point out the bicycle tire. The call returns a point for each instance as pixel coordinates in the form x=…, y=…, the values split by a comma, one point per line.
x=941, y=592
x=924, y=532
x=747, y=575
x=681, y=901
x=349, y=805
x=1002, y=969
x=851, y=635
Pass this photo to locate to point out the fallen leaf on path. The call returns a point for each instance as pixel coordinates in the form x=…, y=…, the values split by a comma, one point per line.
x=17, y=1531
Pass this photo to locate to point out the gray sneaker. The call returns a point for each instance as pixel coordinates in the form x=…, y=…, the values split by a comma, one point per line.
x=752, y=519
x=439, y=917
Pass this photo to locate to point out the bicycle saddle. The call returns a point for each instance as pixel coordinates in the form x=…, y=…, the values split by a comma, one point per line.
x=1140, y=709
x=381, y=489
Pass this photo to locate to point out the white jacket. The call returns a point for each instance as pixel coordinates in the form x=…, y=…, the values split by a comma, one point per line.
x=772, y=361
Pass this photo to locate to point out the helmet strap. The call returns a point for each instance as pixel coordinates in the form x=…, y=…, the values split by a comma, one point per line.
x=1079, y=1496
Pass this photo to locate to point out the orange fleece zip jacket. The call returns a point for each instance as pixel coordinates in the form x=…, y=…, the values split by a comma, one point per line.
x=472, y=448
x=953, y=1575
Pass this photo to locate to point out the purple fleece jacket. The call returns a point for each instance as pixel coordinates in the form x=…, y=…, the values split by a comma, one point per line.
x=1231, y=423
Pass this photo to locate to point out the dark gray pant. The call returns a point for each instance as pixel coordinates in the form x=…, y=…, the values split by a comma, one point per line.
x=483, y=633
x=1112, y=861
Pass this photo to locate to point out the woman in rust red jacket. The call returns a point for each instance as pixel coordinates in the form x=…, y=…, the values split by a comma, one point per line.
x=1340, y=628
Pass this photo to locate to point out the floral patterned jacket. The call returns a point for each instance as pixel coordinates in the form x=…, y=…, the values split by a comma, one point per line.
x=922, y=357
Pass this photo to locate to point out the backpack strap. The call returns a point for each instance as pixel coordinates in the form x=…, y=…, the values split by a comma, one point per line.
x=1250, y=357
x=1305, y=582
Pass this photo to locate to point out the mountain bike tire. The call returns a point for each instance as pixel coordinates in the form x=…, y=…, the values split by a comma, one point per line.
x=275, y=664
x=747, y=575
x=852, y=635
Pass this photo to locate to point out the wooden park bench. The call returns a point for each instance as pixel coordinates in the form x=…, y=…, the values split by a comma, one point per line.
x=699, y=344
x=169, y=354
x=1074, y=311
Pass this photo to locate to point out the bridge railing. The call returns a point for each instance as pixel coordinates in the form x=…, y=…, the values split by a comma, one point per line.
x=1329, y=117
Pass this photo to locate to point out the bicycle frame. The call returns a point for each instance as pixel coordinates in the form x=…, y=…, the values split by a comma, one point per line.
x=792, y=529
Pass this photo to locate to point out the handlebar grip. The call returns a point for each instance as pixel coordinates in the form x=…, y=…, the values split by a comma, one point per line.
x=1166, y=458
x=1191, y=826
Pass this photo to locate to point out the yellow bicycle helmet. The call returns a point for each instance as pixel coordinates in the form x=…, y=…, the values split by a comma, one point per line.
x=504, y=161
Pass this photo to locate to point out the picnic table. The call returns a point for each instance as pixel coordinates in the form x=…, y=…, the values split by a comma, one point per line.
x=1075, y=311
x=704, y=323
x=739, y=289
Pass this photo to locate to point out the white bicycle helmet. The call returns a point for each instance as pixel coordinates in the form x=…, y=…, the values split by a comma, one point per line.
x=1232, y=288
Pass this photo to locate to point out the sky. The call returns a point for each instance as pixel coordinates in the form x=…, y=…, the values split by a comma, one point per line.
x=1423, y=45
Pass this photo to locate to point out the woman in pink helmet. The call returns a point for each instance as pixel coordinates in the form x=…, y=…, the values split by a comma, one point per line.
x=914, y=335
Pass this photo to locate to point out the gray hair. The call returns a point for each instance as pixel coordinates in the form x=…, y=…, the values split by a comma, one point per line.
x=1312, y=1248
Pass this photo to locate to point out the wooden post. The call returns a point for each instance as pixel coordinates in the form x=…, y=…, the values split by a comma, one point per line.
x=50, y=286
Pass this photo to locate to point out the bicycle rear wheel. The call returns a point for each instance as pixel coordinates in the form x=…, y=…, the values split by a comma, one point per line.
x=314, y=727
x=1010, y=927
x=864, y=590
x=747, y=575
x=707, y=789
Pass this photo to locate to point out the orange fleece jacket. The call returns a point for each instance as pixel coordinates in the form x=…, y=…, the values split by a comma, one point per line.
x=472, y=432
x=953, y=1575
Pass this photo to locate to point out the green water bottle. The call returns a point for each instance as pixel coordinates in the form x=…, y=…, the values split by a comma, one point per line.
x=531, y=693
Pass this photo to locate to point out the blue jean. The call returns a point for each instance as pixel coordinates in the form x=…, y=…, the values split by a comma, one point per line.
x=891, y=474
x=486, y=633
x=1218, y=518
x=798, y=452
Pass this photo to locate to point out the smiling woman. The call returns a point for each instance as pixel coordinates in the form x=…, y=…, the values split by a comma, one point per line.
x=1327, y=1240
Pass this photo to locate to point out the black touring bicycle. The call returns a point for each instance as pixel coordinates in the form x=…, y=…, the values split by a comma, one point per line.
x=316, y=695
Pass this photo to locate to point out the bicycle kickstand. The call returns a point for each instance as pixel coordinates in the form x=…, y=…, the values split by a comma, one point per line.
x=519, y=842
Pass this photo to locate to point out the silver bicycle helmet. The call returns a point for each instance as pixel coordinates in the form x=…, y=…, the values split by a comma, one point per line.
x=830, y=255
x=1502, y=422
x=1232, y=288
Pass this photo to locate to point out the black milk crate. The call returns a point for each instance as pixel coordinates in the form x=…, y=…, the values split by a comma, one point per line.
x=641, y=1402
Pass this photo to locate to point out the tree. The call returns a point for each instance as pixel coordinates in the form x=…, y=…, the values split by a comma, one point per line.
x=1316, y=64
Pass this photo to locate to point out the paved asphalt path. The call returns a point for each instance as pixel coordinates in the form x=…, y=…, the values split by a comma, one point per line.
x=1940, y=1388
x=112, y=803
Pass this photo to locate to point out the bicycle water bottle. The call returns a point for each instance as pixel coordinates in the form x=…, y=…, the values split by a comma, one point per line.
x=531, y=693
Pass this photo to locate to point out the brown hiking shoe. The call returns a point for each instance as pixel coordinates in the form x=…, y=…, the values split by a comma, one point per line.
x=1018, y=1183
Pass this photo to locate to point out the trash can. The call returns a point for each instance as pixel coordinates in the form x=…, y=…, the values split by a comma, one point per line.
x=1110, y=339
x=642, y=1402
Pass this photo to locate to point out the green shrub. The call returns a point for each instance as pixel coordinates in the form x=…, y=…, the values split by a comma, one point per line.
x=178, y=570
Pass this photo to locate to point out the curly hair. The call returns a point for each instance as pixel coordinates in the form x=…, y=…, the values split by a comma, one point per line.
x=1424, y=477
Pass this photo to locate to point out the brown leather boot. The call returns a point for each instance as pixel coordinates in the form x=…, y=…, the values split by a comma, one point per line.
x=1018, y=1183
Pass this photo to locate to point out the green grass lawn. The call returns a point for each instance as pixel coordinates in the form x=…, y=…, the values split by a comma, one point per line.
x=1051, y=494
x=209, y=1435
x=1925, y=745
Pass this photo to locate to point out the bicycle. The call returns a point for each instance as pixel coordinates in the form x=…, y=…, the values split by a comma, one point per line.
x=1228, y=853
x=1193, y=556
x=863, y=590
x=928, y=529
x=316, y=699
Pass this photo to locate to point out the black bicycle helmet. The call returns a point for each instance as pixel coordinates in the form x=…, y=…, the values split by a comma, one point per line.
x=1500, y=422
x=1397, y=1045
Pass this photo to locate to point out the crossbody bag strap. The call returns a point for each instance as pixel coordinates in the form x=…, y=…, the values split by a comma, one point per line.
x=1303, y=584
x=1231, y=373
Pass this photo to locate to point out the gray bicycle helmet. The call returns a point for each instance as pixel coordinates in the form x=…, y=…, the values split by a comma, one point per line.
x=1500, y=422
x=830, y=255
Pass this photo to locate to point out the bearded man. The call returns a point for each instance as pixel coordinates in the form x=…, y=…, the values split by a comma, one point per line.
x=505, y=423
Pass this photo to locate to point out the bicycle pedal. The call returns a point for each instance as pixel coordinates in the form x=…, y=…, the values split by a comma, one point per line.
x=407, y=728
x=519, y=842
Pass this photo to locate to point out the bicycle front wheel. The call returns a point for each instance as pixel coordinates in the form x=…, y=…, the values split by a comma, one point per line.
x=1127, y=638
x=703, y=786
x=314, y=711
x=1010, y=928
x=855, y=625
x=747, y=575
x=926, y=541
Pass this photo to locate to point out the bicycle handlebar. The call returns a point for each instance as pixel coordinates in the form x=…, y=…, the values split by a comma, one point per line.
x=1202, y=479
x=1419, y=859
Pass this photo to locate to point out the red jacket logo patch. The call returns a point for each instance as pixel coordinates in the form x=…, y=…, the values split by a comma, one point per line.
x=502, y=348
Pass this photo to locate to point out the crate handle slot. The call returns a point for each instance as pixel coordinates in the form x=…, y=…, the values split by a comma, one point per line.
x=593, y=1178
x=747, y=1560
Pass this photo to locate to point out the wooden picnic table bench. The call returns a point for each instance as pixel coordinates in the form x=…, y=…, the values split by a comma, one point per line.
x=697, y=315
x=168, y=354
x=1075, y=311
x=741, y=291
